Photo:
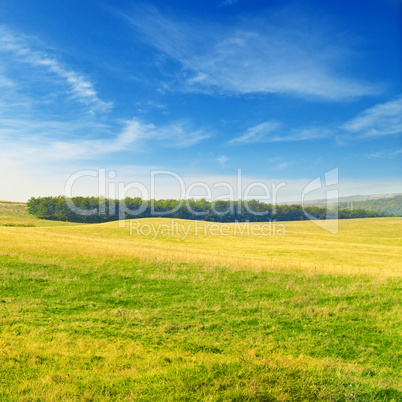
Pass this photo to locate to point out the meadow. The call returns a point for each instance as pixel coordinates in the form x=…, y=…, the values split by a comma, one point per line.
x=148, y=312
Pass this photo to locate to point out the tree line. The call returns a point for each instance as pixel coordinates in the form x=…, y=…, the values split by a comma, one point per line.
x=99, y=209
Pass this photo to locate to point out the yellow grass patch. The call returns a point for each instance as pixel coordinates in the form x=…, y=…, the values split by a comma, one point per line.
x=362, y=246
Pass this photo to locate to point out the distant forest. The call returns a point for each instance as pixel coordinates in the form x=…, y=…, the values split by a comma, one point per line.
x=389, y=205
x=104, y=210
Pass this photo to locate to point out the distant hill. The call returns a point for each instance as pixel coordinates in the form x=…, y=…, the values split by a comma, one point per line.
x=388, y=205
x=370, y=197
x=357, y=197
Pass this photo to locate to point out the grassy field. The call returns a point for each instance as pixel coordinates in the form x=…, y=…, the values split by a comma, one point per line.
x=16, y=214
x=89, y=312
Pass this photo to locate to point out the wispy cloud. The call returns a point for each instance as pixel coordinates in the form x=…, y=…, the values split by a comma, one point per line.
x=5, y=82
x=258, y=133
x=381, y=120
x=23, y=49
x=222, y=160
x=151, y=105
x=134, y=136
x=179, y=134
x=228, y=3
x=272, y=131
x=275, y=57
x=280, y=164
x=47, y=130
x=385, y=154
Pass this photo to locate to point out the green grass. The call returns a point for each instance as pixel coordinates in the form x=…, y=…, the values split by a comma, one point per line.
x=87, y=314
x=16, y=214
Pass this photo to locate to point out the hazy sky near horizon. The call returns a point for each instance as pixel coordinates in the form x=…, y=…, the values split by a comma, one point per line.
x=283, y=90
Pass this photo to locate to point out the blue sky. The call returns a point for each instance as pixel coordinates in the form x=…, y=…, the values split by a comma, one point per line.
x=284, y=90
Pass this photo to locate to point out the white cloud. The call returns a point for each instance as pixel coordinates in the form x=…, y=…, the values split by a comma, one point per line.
x=381, y=120
x=378, y=121
x=21, y=49
x=278, y=163
x=222, y=160
x=385, y=154
x=282, y=165
x=274, y=132
x=145, y=107
x=229, y=3
x=273, y=57
x=178, y=135
x=5, y=82
x=134, y=136
x=256, y=134
x=28, y=129
x=306, y=134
